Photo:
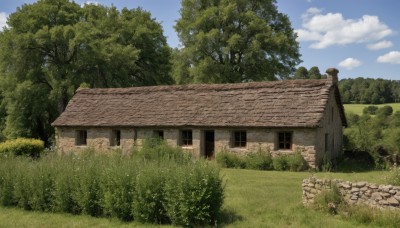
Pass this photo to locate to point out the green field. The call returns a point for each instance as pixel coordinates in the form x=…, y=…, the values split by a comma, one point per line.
x=252, y=199
x=358, y=108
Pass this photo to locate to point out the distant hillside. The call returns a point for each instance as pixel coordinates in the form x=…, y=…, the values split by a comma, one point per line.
x=358, y=108
x=369, y=91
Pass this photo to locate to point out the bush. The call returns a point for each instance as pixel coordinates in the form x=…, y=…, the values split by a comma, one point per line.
x=394, y=176
x=296, y=162
x=149, y=198
x=152, y=190
x=230, y=160
x=280, y=162
x=22, y=146
x=261, y=160
x=370, y=110
x=384, y=111
x=329, y=200
x=189, y=188
x=155, y=149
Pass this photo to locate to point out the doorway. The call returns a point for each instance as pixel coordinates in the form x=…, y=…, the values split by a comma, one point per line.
x=209, y=144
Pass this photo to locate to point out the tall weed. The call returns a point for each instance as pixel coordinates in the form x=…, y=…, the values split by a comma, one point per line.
x=140, y=187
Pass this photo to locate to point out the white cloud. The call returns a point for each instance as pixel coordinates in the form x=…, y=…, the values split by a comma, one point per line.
x=3, y=20
x=350, y=63
x=380, y=45
x=311, y=11
x=391, y=57
x=330, y=29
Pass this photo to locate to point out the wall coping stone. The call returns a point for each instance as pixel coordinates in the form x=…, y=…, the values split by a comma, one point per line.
x=361, y=193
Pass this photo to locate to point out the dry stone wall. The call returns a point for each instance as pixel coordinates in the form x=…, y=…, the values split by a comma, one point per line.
x=374, y=195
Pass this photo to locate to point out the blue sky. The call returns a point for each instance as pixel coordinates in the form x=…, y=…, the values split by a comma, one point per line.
x=359, y=37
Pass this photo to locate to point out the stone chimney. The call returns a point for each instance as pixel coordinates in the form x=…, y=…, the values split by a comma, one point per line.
x=333, y=75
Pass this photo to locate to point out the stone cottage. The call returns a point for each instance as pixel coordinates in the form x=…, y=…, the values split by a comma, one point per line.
x=280, y=116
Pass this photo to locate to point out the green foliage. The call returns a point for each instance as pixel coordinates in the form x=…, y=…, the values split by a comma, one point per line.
x=234, y=41
x=22, y=146
x=329, y=200
x=154, y=190
x=156, y=149
x=296, y=162
x=194, y=196
x=314, y=73
x=51, y=47
x=149, y=198
x=394, y=176
x=301, y=73
x=280, y=162
x=371, y=110
x=369, y=91
x=384, y=111
x=377, y=135
x=230, y=160
x=273, y=195
x=260, y=160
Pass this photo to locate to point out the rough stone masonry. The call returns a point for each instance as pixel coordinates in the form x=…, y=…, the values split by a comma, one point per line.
x=362, y=193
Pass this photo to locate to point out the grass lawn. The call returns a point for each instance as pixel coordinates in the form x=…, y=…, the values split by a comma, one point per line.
x=358, y=108
x=253, y=199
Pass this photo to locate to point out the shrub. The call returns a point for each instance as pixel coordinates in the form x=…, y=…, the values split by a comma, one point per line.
x=230, y=160
x=329, y=200
x=296, y=162
x=280, y=162
x=23, y=146
x=384, y=111
x=155, y=149
x=260, y=160
x=149, y=198
x=194, y=196
x=394, y=176
x=115, y=186
x=370, y=110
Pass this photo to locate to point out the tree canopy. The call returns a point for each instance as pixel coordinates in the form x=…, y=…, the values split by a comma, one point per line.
x=301, y=73
x=52, y=46
x=369, y=90
x=226, y=41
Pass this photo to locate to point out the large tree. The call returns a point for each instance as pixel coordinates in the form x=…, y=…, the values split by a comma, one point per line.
x=301, y=73
x=52, y=46
x=314, y=73
x=234, y=41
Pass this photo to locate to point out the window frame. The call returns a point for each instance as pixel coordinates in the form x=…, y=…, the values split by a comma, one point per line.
x=186, y=138
x=81, y=137
x=287, y=140
x=159, y=134
x=239, y=139
x=115, y=138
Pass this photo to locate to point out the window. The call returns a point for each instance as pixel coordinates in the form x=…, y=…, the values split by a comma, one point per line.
x=239, y=139
x=285, y=140
x=187, y=138
x=81, y=138
x=159, y=134
x=115, y=139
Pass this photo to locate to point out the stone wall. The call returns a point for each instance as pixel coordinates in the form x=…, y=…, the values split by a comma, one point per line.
x=257, y=138
x=364, y=193
x=331, y=126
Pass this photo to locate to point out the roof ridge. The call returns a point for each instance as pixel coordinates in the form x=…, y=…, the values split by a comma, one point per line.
x=206, y=87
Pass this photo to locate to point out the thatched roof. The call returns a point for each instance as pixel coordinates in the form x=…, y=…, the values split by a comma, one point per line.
x=290, y=103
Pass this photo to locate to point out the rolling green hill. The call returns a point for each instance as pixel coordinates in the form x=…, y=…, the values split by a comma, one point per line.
x=358, y=108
